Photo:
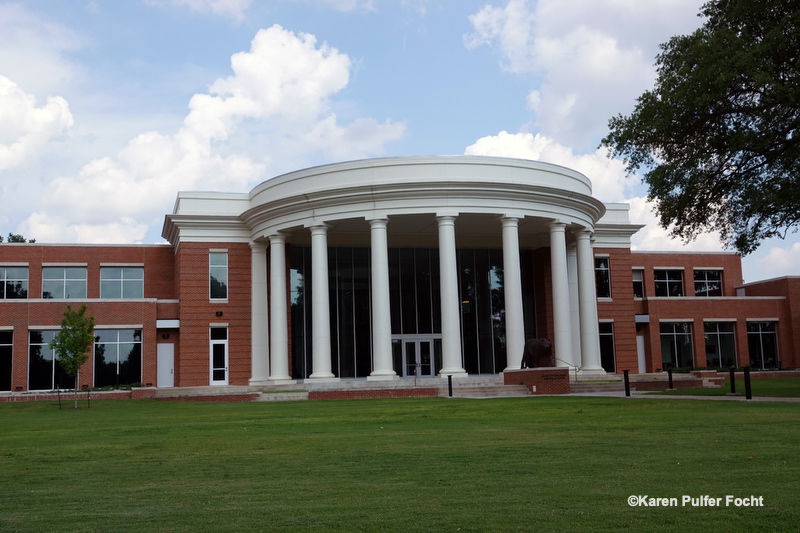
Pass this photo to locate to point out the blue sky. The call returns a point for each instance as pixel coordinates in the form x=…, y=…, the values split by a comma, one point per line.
x=109, y=108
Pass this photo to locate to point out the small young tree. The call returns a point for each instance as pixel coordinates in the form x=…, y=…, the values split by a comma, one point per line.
x=73, y=342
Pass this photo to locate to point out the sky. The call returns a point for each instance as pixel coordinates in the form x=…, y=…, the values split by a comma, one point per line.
x=108, y=108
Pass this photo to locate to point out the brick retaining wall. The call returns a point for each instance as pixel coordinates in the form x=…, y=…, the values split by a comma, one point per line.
x=539, y=380
x=419, y=392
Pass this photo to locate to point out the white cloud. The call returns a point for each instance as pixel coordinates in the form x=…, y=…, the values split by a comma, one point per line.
x=654, y=237
x=279, y=95
x=343, y=5
x=231, y=8
x=42, y=68
x=26, y=128
x=593, y=57
x=609, y=182
x=779, y=261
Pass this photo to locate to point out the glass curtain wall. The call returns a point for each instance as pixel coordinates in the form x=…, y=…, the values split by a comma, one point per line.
x=414, y=303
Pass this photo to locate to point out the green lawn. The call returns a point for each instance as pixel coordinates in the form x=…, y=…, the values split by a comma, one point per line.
x=436, y=464
x=760, y=387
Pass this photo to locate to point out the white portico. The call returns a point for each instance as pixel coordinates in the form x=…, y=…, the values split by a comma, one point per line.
x=448, y=205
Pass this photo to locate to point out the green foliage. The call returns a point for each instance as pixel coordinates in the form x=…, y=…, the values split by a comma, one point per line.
x=719, y=135
x=16, y=237
x=73, y=342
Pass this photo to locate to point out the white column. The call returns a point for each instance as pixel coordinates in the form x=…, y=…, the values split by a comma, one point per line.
x=320, y=306
x=590, y=336
x=450, y=303
x=381, y=317
x=279, y=326
x=574, y=311
x=562, y=344
x=259, y=336
x=512, y=290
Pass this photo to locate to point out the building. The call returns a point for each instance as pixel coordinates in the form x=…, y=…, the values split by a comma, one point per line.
x=384, y=269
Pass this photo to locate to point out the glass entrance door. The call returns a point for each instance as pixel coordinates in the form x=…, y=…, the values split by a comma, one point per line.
x=418, y=357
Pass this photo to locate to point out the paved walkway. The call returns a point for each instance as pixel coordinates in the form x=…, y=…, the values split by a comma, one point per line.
x=644, y=394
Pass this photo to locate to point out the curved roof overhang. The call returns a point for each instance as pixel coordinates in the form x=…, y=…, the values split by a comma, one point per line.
x=443, y=185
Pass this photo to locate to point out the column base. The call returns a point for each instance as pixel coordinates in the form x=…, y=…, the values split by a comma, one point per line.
x=592, y=372
x=258, y=382
x=282, y=381
x=325, y=378
x=383, y=376
x=455, y=372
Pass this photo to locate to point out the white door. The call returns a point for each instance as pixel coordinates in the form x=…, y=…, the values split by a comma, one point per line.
x=641, y=353
x=219, y=356
x=165, y=354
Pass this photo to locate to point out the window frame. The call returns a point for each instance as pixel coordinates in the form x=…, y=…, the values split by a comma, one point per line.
x=6, y=282
x=705, y=282
x=218, y=268
x=63, y=281
x=640, y=281
x=136, y=340
x=122, y=282
x=668, y=284
x=675, y=334
x=602, y=274
x=717, y=335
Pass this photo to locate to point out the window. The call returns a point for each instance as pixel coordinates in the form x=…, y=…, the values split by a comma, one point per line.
x=602, y=277
x=720, y=344
x=64, y=282
x=762, y=341
x=13, y=283
x=117, y=357
x=638, y=283
x=218, y=275
x=44, y=370
x=607, y=346
x=708, y=283
x=121, y=282
x=6, y=351
x=676, y=345
x=669, y=282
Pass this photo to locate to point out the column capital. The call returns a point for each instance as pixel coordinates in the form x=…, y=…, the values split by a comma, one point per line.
x=317, y=229
x=509, y=221
x=277, y=238
x=446, y=219
x=557, y=225
x=258, y=247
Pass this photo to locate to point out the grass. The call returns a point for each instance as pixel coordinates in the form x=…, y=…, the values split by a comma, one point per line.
x=434, y=464
x=788, y=387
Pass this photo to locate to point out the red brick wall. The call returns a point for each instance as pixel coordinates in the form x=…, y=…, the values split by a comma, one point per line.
x=419, y=392
x=620, y=308
x=788, y=287
x=543, y=380
x=198, y=312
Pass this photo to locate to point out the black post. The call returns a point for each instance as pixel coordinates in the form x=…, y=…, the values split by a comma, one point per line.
x=733, y=380
x=58, y=389
x=450, y=385
x=747, y=392
x=88, y=399
x=669, y=373
x=627, y=384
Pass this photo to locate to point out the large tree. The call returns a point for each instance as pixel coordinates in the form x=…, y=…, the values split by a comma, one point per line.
x=718, y=138
x=73, y=342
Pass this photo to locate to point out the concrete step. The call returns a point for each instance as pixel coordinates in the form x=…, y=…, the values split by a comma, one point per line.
x=487, y=391
x=588, y=386
x=292, y=396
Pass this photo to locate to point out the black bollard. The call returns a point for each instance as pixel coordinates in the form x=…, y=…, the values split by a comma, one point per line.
x=450, y=386
x=627, y=384
x=747, y=392
x=669, y=373
x=733, y=380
